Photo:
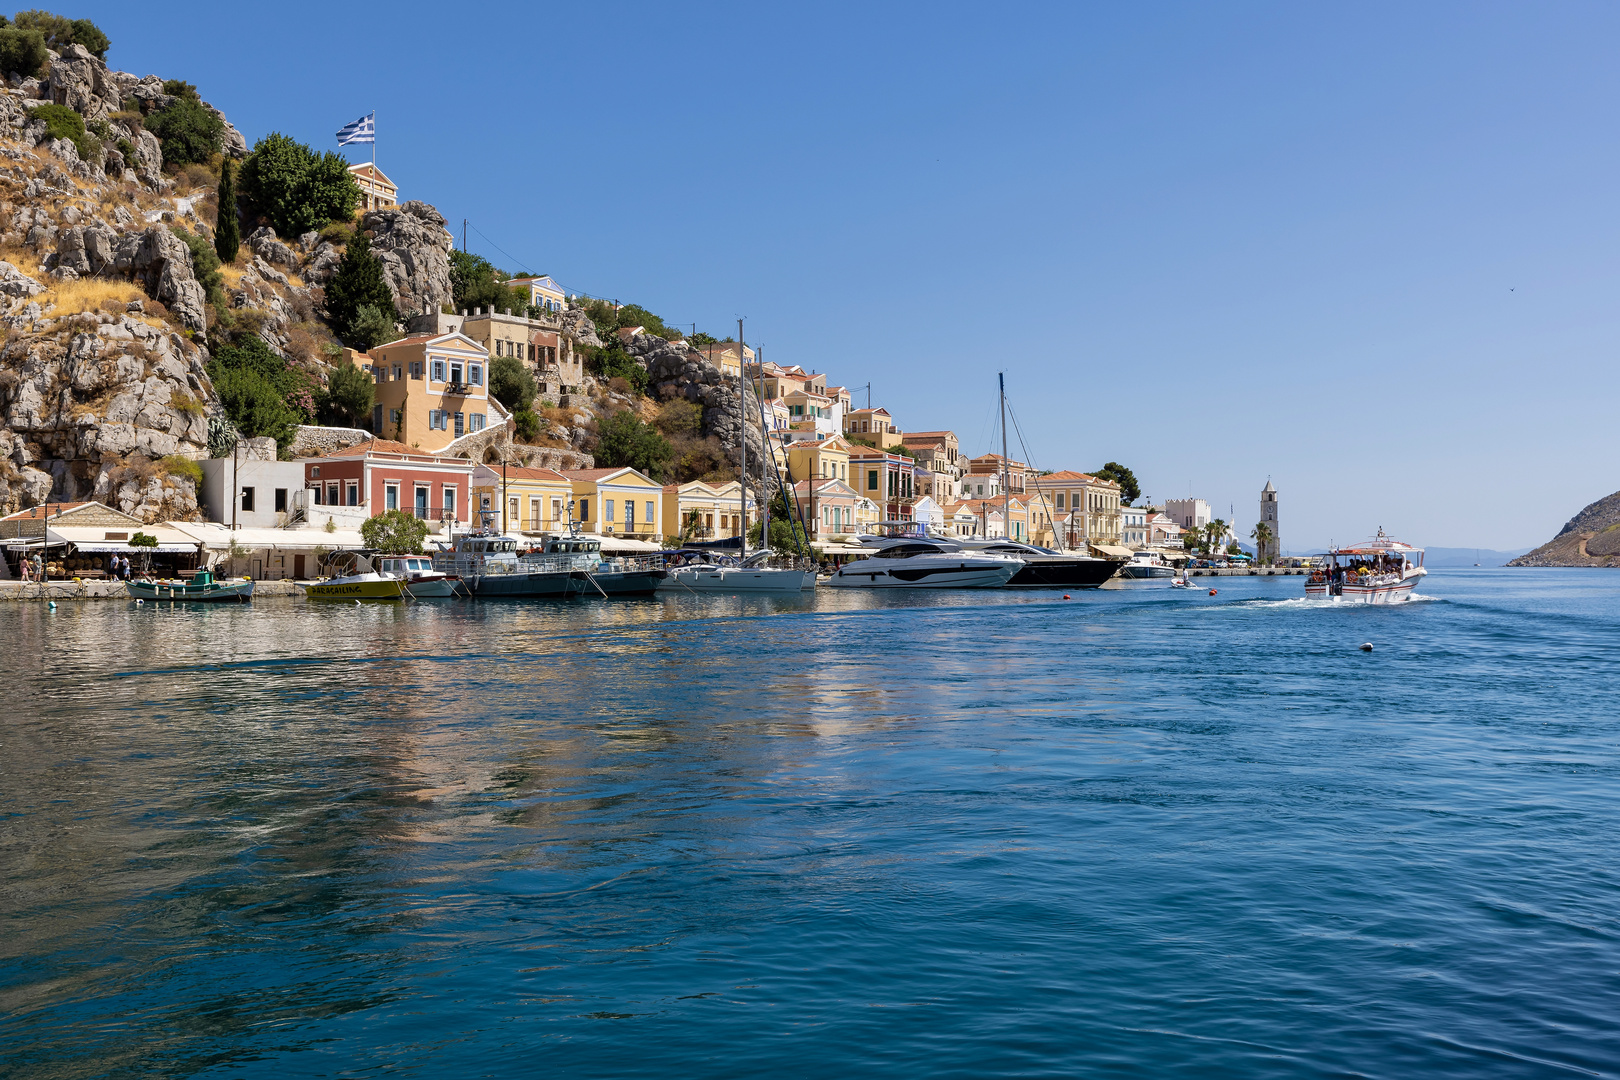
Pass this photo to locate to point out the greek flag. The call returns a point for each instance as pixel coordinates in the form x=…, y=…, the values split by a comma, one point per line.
x=362, y=130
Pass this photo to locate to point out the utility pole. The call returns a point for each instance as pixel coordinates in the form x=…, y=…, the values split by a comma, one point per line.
x=464, y=236
x=504, y=460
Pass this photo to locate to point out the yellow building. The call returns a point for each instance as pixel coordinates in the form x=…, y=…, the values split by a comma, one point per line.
x=376, y=190
x=617, y=502
x=700, y=511
x=723, y=355
x=431, y=390
x=1084, y=509
x=824, y=460
x=544, y=292
x=521, y=500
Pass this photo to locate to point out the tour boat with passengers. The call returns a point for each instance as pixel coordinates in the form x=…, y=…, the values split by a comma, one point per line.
x=1380, y=571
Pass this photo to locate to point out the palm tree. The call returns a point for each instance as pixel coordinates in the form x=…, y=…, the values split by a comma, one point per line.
x=1262, y=539
x=1217, y=529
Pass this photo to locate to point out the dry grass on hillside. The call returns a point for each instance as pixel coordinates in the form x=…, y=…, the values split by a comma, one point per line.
x=91, y=294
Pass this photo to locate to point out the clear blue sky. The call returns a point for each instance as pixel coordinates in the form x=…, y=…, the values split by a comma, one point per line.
x=1368, y=250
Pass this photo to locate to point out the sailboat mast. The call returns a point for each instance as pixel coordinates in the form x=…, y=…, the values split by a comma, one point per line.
x=1006, y=518
x=742, y=436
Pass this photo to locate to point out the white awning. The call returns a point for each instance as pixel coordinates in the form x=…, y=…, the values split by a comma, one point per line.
x=1112, y=552
x=101, y=540
x=108, y=547
x=619, y=545
x=217, y=537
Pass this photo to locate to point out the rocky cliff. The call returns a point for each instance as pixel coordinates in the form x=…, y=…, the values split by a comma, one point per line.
x=1590, y=538
x=679, y=371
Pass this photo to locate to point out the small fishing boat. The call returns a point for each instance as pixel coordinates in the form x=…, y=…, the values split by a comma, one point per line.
x=355, y=579
x=203, y=587
x=1380, y=571
x=421, y=580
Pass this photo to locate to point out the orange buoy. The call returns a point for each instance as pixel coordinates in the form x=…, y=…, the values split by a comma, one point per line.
x=1065, y=596
x=1212, y=592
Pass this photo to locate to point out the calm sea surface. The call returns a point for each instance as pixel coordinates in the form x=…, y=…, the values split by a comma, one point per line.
x=1137, y=833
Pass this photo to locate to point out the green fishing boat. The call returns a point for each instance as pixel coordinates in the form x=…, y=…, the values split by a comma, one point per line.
x=202, y=586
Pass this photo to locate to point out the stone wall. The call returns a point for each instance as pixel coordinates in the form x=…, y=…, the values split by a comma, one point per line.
x=313, y=441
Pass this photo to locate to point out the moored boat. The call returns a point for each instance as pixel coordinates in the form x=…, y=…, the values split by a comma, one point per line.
x=708, y=571
x=486, y=564
x=421, y=580
x=1380, y=571
x=1044, y=568
x=202, y=587
x=931, y=563
x=1148, y=564
x=355, y=579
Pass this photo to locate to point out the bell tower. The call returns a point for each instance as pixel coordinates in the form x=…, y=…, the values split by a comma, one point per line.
x=1269, y=547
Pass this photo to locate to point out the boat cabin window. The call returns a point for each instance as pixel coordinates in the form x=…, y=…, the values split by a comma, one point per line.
x=901, y=551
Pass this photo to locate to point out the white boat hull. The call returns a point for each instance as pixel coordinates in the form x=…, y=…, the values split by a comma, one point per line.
x=732, y=580
x=1393, y=592
x=872, y=574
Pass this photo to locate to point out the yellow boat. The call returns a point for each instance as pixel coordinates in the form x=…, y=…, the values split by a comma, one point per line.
x=357, y=579
x=357, y=587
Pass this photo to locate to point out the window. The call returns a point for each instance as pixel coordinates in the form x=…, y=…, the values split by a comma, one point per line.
x=315, y=470
x=455, y=372
x=607, y=509
x=500, y=347
x=475, y=374
x=649, y=517
x=399, y=373
x=353, y=491
x=281, y=500
x=332, y=498
x=512, y=511
x=319, y=501
x=477, y=421
x=1060, y=500
x=391, y=499
x=422, y=501
x=435, y=419
x=393, y=417
x=871, y=481
x=450, y=499
x=416, y=369
x=534, y=515
x=376, y=418
x=556, y=510
x=584, y=509
x=438, y=371
x=629, y=515
x=461, y=425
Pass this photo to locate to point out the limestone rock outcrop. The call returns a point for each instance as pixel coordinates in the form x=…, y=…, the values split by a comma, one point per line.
x=90, y=407
x=1590, y=538
x=414, y=246
x=161, y=261
x=679, y=371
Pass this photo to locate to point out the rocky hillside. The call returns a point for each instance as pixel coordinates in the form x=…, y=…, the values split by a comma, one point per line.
x=1591, y=538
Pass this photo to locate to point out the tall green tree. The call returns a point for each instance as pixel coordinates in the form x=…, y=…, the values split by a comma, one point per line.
x=22, y=51
x=227, y=231
x=294, y=188
x=1129, y=489
x=395, y=532
x=347, y=398
x=59, y=32
x=358, y=282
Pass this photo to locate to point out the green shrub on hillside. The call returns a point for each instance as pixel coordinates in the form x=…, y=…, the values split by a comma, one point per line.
x=612, y=362
x=370, y=327
x=189, y=132
x=512, y=383
x=22, y=51
x=624, y=440
x=62, y=122
x=475, y=283
x=227, y=233
x=528, y=424
x=608, y=319
x=205, y=265
x=294, y=188
x=181, y=89
x=262, y=394
x=59, y=32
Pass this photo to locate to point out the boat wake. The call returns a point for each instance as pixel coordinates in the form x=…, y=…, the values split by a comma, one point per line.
x=1332, y=603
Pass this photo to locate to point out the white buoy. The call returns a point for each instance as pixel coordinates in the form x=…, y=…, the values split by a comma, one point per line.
x=138, y=603
x=358, y=604
x=1366, y=646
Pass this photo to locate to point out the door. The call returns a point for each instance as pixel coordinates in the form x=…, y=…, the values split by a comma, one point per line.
x=421, y=503
x=298, y=567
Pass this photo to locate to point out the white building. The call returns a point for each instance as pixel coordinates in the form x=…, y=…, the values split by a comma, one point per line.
x=1188, y=513
x=1133, y=526
x=251, y=489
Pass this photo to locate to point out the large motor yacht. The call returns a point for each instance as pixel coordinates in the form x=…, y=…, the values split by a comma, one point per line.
x=925, y=562
x=1047, y=569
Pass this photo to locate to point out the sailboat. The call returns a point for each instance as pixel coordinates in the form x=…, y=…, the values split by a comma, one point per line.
x=702, y=571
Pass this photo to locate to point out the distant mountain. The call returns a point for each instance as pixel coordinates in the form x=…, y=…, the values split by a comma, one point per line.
x=1448, y=556
x=1591, y=538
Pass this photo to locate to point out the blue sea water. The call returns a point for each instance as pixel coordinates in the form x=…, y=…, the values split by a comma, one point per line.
x=1141, y=832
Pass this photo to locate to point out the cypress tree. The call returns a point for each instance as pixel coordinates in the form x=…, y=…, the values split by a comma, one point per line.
x=357, y=283
x=227, y=233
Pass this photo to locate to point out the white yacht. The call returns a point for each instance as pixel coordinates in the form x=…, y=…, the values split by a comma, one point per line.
x=1148, y=564
x=692, y=570
x=421, y=580
x=917, y=562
